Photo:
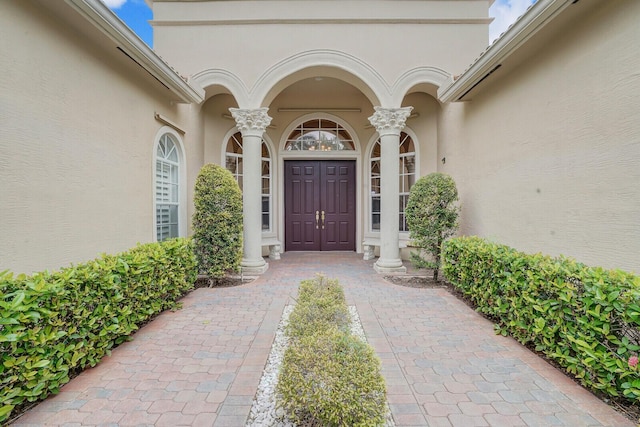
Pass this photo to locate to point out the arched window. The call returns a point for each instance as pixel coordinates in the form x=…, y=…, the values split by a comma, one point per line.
x=406, y=179
x=234, y=164
x=319, y=135
x=167, y=187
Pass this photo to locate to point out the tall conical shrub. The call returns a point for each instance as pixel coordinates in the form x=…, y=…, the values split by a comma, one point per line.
x=217, y=222
x=432, y=216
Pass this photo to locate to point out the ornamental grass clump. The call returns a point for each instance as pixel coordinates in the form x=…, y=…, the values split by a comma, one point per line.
x=217, y=222
x=329, y=377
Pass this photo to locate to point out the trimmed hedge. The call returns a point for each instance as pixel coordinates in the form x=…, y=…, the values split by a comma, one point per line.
x=583, y=318
x=328, y=377
x=53, y=325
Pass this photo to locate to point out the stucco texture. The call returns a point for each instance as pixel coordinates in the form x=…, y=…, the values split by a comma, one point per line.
x=77, y=135
x=547, y=153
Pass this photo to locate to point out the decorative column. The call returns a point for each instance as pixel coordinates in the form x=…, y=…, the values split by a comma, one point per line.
x=389, y=122
x=252, y=124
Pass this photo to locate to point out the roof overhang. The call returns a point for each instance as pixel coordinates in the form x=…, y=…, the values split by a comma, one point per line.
x=101, y=17
x=535, y=19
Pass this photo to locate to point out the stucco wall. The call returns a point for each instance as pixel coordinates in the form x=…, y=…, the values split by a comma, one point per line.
x=547, y=155
x=248, y=37
x=77, y=133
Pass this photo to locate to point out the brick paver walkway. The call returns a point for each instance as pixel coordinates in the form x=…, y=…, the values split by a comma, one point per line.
x=443, y=364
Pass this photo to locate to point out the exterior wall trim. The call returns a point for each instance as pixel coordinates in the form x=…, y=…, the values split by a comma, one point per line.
x=348, y=21
x=432, y=76
x=227, y=80
x=373, y=85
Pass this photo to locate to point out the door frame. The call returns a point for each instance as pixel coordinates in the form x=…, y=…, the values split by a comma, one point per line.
x=321, y=180
x=301, y=155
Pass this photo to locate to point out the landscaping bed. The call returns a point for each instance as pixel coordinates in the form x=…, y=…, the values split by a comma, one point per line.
x=329, y=376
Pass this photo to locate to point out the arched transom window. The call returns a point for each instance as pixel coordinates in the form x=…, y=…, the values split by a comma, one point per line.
x=319, y=135
x=406, y=179
x=167, y=188
x=234, y=163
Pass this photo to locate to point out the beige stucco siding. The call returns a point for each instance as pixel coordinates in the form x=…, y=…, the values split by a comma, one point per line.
x=547, y=154
x=247, y=38
x=77, y=132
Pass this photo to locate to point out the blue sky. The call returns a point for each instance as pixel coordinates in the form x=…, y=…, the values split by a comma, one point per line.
x=137, y=14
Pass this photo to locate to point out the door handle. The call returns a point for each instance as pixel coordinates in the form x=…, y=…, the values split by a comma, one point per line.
x=323, y=220
x=317, y=215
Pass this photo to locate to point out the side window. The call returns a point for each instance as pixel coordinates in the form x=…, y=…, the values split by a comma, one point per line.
x=406, y=179
x=167, y=189
x=234, y=163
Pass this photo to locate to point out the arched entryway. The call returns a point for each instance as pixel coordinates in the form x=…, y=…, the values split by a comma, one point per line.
x=320, y=186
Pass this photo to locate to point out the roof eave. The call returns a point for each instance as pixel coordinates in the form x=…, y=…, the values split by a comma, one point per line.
x=100, y=16
x=535, y=19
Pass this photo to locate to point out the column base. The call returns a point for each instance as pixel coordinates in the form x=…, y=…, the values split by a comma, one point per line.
x=369, y=252
x=254, y=267
x=274, y=252
x=383, y=266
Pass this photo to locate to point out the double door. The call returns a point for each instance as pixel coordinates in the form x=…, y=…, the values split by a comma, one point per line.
x=320, y=205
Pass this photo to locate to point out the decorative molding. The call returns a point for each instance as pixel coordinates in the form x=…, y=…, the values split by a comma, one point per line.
x=363, y=76
x=413, y=115
x=251, y=121
x=322, y=21
x=433, y=77
x=326, y=110
x=225, y=79
x=101, y=17
x=162, y=119
x=390, y=120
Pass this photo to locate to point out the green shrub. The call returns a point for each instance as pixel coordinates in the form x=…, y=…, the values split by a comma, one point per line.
x=586, y=319
x=432, y=217
x=217, y=222
x=328, y=376
x=53, y=325
x=321, y=305
x=332, y=378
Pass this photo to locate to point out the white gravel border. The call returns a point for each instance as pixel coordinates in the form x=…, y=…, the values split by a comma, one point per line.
x=263, y=411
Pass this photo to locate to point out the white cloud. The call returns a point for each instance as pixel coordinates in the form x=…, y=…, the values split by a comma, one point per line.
x=114, y=4
x=505, y=13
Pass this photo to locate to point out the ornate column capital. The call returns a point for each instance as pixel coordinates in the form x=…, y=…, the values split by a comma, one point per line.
x=251, y=122
x=389, y=120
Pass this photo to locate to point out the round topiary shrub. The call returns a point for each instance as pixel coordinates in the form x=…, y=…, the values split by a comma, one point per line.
x=432, y=216
x=217, y=222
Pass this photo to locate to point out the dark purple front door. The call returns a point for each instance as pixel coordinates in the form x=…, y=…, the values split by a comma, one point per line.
x=320, y=207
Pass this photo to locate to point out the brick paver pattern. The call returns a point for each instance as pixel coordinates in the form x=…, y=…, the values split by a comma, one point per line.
x=442, y=362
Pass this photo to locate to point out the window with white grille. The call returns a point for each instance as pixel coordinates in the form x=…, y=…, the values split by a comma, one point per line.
x=234, y=164
x=167, y=188
x=406, y=179
x=319, y=135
